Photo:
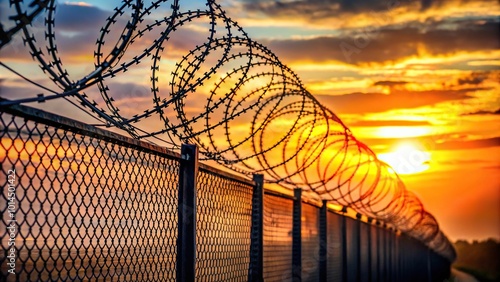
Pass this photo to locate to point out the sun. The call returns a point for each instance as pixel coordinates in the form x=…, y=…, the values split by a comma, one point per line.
x=407, y=158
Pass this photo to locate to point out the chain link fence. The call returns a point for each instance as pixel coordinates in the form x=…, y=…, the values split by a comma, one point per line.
x=224, y=213
x=310, y=242
x=278, y=221
x=86, y=207
x=335, y=246
x=83, y=204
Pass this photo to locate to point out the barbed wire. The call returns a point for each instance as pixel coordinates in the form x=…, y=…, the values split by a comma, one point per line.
x=257, y=115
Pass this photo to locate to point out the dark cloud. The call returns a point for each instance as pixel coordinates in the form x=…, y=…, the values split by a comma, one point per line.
x=117, y=90
x=128, y=90
x=473, y=79
x=370, y=123
x=399, y=99
x=68, y=47
x=316, y=8
x=320, y=9
x=78, y=17
x=77, y=29
x=469, y=144
x=389, y=44
x=389, y=83
x=483, y=112
x=16, y=92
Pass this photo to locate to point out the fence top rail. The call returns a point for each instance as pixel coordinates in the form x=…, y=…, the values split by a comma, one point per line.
x=57, y=121
x=277, y=194
x=225, y=174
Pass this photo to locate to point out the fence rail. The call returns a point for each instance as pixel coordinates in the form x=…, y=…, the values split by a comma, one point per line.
x=81, y=203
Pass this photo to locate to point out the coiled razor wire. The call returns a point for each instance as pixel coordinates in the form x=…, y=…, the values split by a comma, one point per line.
x=257, y=115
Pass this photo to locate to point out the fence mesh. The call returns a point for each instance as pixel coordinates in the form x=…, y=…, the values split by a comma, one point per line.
x=392, y=259
x=277, y=237
x=224, y=212
x=310, y=243
x=86, y=208
x=334, y=247
x=365, y=255
x=375, y=255
x=352, y=231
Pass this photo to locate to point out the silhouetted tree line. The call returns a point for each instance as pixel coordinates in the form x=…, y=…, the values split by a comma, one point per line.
x=479, y=258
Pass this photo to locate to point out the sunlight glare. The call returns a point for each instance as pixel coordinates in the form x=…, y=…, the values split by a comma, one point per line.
x=407, y=159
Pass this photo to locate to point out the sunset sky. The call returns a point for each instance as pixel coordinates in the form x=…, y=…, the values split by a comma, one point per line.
x=417, y=81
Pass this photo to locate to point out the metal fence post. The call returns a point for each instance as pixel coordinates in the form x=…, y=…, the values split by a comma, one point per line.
x=389, y=254
x=369, y=238
x=385, y=273
x=256, y=268
x=429, y=267
x=358, y=247
x=186, y=239
x=297, y=236
x=323, y=247
x=380, y=248
x=395, y=255
x=344, y=244
x=398, y=257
